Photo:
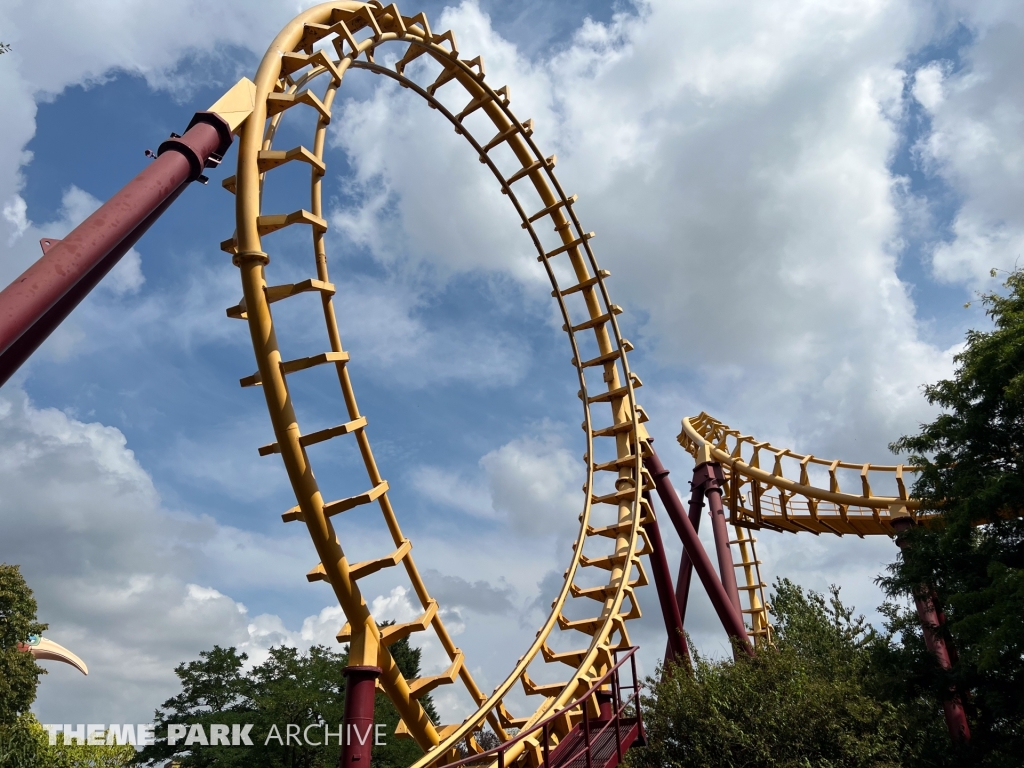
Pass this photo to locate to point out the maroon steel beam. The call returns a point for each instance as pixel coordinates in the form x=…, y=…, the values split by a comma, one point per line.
x=685, y=575
x=713, y=482
x=931, y=619
x=677, y=651
x=16, y=354
x=731, y=619
x=358, y=730
x=42, y=297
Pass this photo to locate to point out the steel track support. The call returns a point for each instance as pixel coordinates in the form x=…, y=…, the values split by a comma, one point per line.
x=358, y=728
x=711, y=479
x=45, y=294
x=677, y=651
x=728, y=614
x=938, y=646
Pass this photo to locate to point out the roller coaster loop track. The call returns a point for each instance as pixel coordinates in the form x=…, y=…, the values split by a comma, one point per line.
x=613, y=509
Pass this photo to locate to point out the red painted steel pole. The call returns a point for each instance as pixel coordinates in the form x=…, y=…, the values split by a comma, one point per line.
x=358, y=731
x=677, y=650
x=713, y=490
x=20, y=351
x=952, y=706
x=38, y=301
x=731, y=619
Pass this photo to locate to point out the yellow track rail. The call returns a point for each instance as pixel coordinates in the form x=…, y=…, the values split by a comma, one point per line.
x=759, y=498
x=613, y=509
x=780, y=503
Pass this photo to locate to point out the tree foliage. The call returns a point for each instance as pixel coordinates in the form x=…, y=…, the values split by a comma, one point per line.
x=27, y=745
x=19, y=673
x=972, y=460
x=289, y=687
x=806, y=702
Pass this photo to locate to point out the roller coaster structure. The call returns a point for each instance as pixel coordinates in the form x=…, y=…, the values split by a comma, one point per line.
x=582, y=719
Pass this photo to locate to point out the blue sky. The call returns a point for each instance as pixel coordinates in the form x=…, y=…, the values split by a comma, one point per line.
x=795, y=202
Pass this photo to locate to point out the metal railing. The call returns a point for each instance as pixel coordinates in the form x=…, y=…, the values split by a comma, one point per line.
x=590, y=740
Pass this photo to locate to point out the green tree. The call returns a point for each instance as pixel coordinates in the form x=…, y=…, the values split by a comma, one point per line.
x=28, y=746
x=288, y=687
x=19, y=673
x=972, y=460
x=805, y=702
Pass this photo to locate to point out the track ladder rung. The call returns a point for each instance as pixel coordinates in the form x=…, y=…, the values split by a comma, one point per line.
x=279, y=102
x=615, y=464
x=279, y=292
x=276, y=221
x=572, y=658
x=615, y=309
x=541, y=689
x=607, y=357
x=586, y=626
x=424, y=685
x=568, y=201
x=568, y=246
x=613, y=430
x=366, y=567
x=336, y=507
x=293, y=62
x=601, y=275
x=612, y=531
x=303, y=363
x=318, y=437
x=508, y=133
x=536, y=165
x=268, y=159
x=607, y=562
x=618, y=392
x=614, y=498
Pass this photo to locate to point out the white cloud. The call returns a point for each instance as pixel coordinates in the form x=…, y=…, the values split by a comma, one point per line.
x=112, y=568
x=526, y=483
x=977, y=119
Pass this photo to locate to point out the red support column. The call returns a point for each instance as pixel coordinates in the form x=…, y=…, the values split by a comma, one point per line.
x=731, y=619
x=38, y=301
x=358, y=731
x=713, y=482
x=931, y=620
x=677, y=650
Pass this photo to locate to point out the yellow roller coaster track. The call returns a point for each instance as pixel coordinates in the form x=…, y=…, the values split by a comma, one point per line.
x=779, y=503
x=613, y=509
x=759, y=498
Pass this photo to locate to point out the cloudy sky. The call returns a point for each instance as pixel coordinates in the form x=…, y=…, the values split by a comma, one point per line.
x=795, y=199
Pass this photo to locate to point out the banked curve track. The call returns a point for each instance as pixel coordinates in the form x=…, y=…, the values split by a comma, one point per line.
x=613, y=508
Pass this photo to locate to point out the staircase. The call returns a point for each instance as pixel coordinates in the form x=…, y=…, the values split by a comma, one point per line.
x=598, y=740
